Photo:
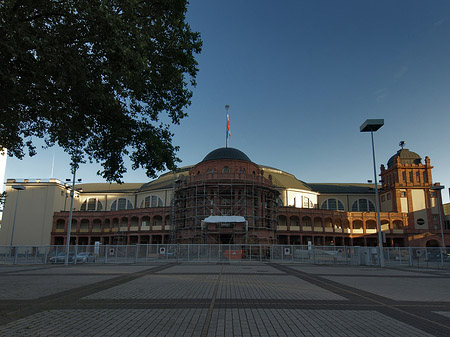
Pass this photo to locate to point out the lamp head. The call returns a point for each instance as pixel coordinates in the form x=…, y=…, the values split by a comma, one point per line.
x=371, y=125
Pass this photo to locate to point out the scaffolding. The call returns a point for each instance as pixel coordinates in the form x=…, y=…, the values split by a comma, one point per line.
x=173, y=230
x=200, y=196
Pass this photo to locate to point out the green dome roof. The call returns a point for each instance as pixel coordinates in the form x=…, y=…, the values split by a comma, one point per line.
x=406, y=157
x=227, y=153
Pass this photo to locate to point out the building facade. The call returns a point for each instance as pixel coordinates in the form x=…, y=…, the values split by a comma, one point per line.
x=3, y=157
x=226, y=198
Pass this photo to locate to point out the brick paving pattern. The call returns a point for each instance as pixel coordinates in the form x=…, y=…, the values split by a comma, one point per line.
x=222, y=300
x=261, y=287
x=445, y=313
x=413, y=288
x=226, y=269
x=286, y=322
x=162, y=287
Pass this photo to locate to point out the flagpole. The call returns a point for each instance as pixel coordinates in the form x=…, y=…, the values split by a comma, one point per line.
x=227, y=130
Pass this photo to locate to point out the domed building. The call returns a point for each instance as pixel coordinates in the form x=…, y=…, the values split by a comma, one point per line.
x=228, y=199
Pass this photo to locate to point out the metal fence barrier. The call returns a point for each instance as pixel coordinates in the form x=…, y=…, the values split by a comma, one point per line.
x=345, y=255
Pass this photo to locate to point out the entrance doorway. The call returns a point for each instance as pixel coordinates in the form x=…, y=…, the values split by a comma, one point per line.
x=226, y=239
x=433, y=243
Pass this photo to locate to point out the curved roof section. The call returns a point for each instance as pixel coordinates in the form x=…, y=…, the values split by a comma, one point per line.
x=343, y=188
x=108, y=187
x=406, y=157
x=226, y=153
x=284, y=179
x=165, y=180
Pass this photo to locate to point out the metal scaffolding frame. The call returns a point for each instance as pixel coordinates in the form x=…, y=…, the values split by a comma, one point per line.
x=200, y=196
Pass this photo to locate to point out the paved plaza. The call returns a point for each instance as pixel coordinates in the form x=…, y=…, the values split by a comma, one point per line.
x=242, y=299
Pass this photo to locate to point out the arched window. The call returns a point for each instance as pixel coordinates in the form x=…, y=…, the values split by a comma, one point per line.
x=157, y=220
x=97, y=225
x=60, y=224
x=357, y=224
x=152, y=201
x=282, y=220
x=91, y=204
x=121, y=204
x=363, y=205
x=84, y=226
x=306, y=221
x=294, y=220
x=226, y=169
x=371, y=224
x=398, y=224
x=318, y=222
x=337, y=224
x=332, y=204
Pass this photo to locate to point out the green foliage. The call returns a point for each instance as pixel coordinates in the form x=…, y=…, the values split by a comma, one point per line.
x=96, y=77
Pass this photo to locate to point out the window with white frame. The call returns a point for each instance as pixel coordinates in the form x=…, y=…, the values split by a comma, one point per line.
x=152, y=201
x=305, y=202
x=121, y=204
x=91, y=204
x=333, y=205
x=363, y=205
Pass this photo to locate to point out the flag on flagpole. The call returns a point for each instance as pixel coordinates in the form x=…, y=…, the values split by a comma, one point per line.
x=228, y=132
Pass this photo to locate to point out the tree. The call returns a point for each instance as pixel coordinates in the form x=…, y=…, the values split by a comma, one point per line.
x=101, y=78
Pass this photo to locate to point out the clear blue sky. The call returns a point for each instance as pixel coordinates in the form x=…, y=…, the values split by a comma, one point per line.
x=300, y=78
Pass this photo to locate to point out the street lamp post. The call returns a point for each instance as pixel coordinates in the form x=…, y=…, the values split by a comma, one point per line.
x=372, y=125
x=17, y=188
x=439, y=188
x=69, y=225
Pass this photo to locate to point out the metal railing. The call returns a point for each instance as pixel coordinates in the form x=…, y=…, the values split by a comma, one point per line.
x=227, y=253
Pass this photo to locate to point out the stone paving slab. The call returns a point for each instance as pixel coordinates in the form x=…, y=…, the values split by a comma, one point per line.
x=32, y=287
x=444, y=313
x=91, y=269
x=15, y=269
x=262, y=287
x=224, y=322
x=162, y=287
x=291, y=323
x=224, y=300
x=400, y=289
x=230, y=287
x=356, y=270
x=249, y=268
x=35, y=282
x=109, y=322
x=436, y=271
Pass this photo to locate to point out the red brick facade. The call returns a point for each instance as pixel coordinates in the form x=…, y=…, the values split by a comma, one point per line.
x=238, y=187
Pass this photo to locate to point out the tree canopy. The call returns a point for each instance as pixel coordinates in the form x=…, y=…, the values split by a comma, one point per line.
x=103, y=79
